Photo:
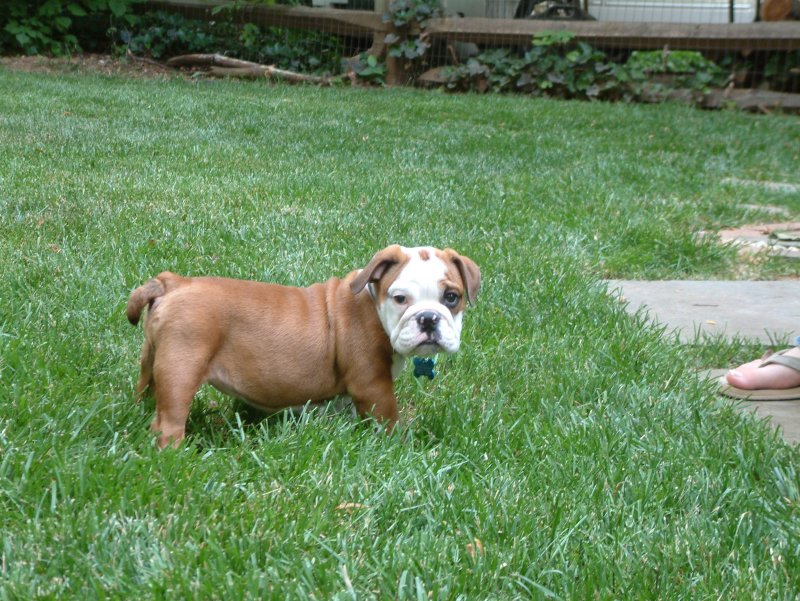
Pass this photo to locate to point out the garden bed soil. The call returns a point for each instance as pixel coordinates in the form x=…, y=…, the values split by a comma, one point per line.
x=87, y=64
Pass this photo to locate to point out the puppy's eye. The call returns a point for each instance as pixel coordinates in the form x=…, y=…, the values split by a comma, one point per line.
x=400, y=299
x=451, y=298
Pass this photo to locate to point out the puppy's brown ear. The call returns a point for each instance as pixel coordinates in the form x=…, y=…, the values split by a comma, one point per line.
x=470, y=274
x=377, y=267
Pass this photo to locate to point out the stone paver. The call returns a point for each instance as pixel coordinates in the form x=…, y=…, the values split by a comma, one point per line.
x=784, y=415
x=765, y=311
x=781, y=239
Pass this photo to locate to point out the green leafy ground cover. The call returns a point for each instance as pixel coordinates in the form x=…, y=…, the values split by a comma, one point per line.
x=565, y=452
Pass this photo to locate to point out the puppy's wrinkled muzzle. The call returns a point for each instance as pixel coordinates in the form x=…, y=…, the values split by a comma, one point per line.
x=426, y=329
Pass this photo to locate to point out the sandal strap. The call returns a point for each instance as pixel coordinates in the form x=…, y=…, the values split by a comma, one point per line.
x=780, y=359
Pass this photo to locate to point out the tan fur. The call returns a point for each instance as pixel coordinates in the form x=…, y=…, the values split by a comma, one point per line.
x=383, y=267
x=467, y=271
x=273, y=346
x=143, y=296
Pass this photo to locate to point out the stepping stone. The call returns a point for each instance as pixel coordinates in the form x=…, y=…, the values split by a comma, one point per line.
x=785, y=187
x=768, y=312
x=783, y=415
x=782, y=239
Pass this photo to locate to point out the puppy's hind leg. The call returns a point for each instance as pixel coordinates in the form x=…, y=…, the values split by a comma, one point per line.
x=176, y=384
x=146, y=374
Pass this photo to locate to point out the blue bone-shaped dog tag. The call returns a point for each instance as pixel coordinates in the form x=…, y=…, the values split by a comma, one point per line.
x=424, y=368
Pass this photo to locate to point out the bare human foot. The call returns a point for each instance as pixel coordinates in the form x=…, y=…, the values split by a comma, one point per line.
x=751, y=376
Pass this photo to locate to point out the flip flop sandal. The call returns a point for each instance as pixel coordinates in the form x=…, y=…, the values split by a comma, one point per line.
x=763, y=394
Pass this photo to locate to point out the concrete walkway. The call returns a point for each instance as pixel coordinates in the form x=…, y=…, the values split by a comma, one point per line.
x=784, y=415
x=768, y=312
x=765, y=311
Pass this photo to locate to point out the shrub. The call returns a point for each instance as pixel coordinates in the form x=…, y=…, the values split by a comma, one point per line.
x=558, y=65
x=368, y=68
x=47, y=26
x=408, y=41
x=161, y=34
x=681, y=68
x=782, y=71
x=555, y=65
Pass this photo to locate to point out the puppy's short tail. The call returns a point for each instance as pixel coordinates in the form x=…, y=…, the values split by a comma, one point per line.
x=147, y=293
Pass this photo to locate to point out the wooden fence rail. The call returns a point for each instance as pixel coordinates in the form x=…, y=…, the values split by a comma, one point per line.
x=735, y=36
x=517, y=32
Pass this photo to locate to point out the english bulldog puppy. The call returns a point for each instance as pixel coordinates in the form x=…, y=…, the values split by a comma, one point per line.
x=277, y=346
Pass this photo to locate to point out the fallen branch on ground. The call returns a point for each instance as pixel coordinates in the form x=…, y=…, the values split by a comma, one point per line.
x=147, y=61
x=224, y=66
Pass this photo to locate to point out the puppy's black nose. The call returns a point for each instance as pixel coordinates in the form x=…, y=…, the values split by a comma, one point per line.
x=428, y=320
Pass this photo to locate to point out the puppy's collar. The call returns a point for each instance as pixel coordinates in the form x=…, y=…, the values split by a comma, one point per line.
x=423, y=367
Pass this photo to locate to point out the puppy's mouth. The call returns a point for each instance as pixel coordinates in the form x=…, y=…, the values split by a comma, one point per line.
x=428, y=346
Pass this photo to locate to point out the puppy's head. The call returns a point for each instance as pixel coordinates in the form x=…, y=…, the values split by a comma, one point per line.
x=421, y=294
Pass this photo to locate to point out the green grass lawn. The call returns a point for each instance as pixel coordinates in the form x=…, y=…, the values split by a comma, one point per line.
x=565, y=452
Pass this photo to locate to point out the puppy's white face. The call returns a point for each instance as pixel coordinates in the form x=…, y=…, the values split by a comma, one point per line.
x=418, y=311
x=421, y=294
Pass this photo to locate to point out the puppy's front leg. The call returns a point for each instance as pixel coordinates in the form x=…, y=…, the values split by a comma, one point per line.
x=377, y=399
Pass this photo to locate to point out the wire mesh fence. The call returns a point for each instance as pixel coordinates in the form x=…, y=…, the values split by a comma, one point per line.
x=722, y=43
